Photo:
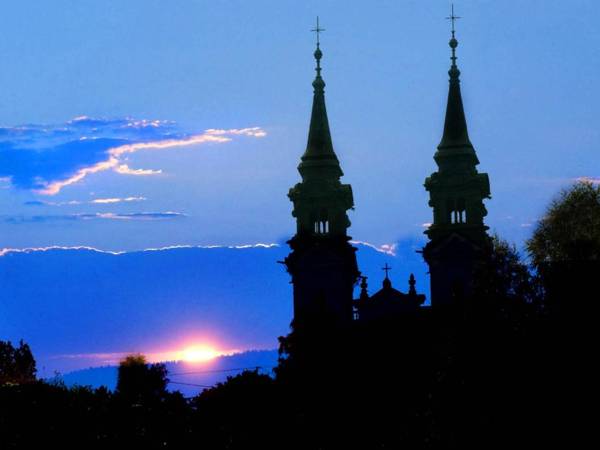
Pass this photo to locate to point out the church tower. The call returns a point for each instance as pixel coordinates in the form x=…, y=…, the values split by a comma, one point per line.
x=322, y=262
x=457, y=236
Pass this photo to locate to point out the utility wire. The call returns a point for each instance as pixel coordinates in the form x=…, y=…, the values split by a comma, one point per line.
x=191, y=384
x=199, y=372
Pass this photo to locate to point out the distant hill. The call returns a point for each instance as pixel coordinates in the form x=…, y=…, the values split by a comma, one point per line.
x=184, y=375
x=77, y=306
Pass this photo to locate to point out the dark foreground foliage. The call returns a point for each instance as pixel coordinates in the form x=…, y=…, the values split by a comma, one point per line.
x=511, y=367
x=493, y=374
x=17, y=364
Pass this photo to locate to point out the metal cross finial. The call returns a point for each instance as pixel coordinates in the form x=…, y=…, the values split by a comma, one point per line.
x=386, y=269
x=453, y=18
x=317, y=30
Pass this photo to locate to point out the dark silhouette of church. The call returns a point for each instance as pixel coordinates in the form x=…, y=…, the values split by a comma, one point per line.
x=322, y=262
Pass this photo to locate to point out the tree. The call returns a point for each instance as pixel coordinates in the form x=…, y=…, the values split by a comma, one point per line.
x=505, y=282
x=139, y=382
x=570, y=229
x=17, y=365
x=242, y=412
x=565, y=251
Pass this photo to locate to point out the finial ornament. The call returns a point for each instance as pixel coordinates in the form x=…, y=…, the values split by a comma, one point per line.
x=364, y=293
x=411, y=283
x=454, y=72
x=318, y=55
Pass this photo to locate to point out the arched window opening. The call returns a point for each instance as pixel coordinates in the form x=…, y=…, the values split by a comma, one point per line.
x=321, y=222
x=456, y=211
x=460, y=206
x=321, y=227
x=451, y=211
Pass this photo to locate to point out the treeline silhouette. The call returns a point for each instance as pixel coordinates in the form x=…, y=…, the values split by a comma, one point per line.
x=512, y=366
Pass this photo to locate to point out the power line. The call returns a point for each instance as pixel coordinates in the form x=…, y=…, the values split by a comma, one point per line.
x=191, y=384
x=199, y=372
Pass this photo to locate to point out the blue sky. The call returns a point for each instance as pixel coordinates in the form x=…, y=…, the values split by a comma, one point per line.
x=144, y=124
x=82, y=78
x=76, y=306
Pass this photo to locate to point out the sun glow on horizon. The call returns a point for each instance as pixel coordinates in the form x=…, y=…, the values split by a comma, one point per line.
x=198, y=354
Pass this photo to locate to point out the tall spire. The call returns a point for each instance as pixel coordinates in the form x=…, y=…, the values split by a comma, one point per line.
x=457, y=236
x=319, y=152
x=322, y=262
x=455, y=138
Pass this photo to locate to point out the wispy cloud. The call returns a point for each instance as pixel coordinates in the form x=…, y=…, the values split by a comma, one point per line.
x=115, y=154
x=113, y=358
x=96, y=201
x=593, y=180
x=118, y=200
x=239, y=247
x=48, y=158
x=144, y=216
x=6, y=251
x=124, y=169
x=388, y=249
x=254, y=131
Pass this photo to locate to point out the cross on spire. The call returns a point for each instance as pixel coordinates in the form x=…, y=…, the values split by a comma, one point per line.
x=386, y=268
x=318, y=54
x=452, y=17
x=317, y=30
x=453, y=44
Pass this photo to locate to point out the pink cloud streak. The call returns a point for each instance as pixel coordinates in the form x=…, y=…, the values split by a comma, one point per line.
x=113, y=161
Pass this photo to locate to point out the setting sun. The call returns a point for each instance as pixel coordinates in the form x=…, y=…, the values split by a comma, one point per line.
x=198, y=354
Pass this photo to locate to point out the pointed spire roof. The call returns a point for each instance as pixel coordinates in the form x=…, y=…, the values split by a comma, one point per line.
x=455, y=139
x=319, y=156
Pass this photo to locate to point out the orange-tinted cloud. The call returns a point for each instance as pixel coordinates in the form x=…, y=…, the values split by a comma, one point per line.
x=113, y=160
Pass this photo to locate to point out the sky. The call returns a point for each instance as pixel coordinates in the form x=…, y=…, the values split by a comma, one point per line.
x=137, y=124
x=85, y=307
x=83, y=78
